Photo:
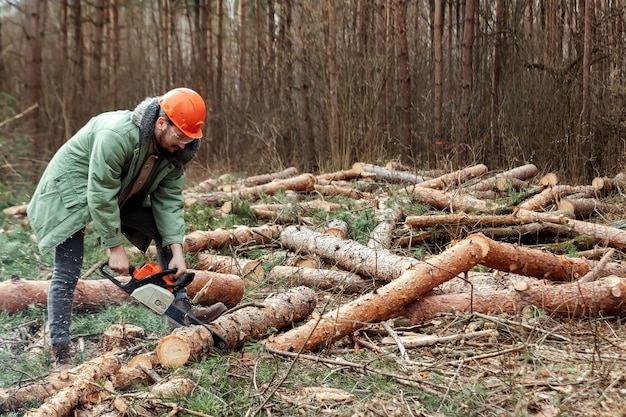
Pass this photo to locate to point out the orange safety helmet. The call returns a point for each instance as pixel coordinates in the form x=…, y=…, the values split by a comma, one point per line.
x=186, y=109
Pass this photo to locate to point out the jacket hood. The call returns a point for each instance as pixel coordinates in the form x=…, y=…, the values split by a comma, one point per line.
x=145, y=116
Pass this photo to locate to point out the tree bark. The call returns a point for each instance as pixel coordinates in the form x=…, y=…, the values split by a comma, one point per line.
x=605, y=297
x=536, y=263
x=64, y=401
x=238, y=327
x=251, y=270
x=323, y=279
x=455, y=178
x=387, y=174
x=94, y=295
x=266, y=178
x=201, y=240
x=386, y=301
x=523, y=172
x=347, y=254
x=448, y=200
x=552, y=194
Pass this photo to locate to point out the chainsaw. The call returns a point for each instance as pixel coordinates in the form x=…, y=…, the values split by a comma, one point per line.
x=155, y=289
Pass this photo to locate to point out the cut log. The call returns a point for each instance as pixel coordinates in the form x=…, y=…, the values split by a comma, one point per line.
x=348, y=254
x=549, y=180
x=323, y=279
x=65, y=400
x=199, y=240
x=347, y=174
x=603, y=234
x=238, y=327
x=587, y=206
x=609, y=185
x=551, y=195
x=265, y=178
x=18, y=211
x=523, y=172
x=455, y=178
x=604, y=297
x=387, y=174
x=464, y=219
x=335, y=190
x=448, y=200
x=536, y=263
x=387, y=301
x=289, y=213
x=387, y=218
x=251, y=270
x=337, y=228
x=94, y=295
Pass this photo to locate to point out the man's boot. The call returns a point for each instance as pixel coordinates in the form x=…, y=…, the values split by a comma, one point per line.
x=203, y=314
x=61, y=355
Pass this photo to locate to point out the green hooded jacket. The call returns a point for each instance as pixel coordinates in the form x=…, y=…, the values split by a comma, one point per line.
x=83, y=181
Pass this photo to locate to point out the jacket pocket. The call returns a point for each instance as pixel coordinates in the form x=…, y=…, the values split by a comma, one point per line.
x=69, y=195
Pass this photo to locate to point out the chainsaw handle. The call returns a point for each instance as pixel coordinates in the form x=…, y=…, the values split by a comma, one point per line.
x=134, y=283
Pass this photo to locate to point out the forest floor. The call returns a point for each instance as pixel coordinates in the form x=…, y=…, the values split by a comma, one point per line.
x=528, y=362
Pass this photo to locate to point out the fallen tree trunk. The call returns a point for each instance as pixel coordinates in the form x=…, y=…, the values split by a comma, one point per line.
x=388, y=217
x=65, y=400
x=265, y=178
x=604, y=297
x=386, y=301
x=323, y=279
x=455, y=178
x=238, y=327
x=521, y=173
x=455, y=200
x=537, y=263
x=348, y=254
x=387, y=174
x=251, y=270
x=464, y=219
x=199, y=240
x=94, y=295
x=550, y=195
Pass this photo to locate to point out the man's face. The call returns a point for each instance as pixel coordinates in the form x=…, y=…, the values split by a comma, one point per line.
x=169, y=137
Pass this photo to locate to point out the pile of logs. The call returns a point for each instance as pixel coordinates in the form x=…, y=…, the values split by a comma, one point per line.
x=382, y=283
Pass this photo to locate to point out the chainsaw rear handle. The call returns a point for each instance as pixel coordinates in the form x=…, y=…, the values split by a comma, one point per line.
x=135, y=283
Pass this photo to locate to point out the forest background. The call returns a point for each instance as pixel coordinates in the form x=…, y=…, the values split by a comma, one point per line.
x=321, y=85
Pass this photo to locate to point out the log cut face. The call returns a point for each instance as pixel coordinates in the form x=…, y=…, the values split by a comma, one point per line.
x=386, y=301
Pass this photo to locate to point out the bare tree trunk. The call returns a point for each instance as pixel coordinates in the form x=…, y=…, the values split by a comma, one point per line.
x=339, y=157
x=34, y=31
x=165, y=45
x=243, y=50
x=97, y=54
x=438, y=54
x=585, y=142
x=114, y=52
x=463, y=140
x=495, y=142
x=403, y=82
x=301, y=92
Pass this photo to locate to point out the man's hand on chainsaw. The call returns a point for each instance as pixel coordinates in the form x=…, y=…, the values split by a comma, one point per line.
x=178, y=260
x=118, y=261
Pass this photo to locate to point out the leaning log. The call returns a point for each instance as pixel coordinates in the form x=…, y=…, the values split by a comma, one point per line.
x=94, y=295
x=387, y=301
x=604, y=297
x=238, y=327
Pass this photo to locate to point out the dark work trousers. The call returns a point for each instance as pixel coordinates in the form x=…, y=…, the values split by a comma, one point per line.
x=68, y=261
